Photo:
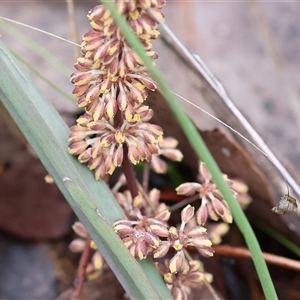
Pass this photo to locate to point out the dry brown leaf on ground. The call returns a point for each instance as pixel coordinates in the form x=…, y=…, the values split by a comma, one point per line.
x=29, y=207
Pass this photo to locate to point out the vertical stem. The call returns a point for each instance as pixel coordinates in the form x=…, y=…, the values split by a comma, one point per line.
x=129, y=174
x=146, y=175
x=126, y=164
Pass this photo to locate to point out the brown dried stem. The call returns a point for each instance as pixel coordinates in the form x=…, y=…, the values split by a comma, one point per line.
x=129, y=174
x=81, y=271
x=270, y=258
x=146, y=174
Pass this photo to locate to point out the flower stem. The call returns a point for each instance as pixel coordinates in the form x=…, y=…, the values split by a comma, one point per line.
x=129, y=174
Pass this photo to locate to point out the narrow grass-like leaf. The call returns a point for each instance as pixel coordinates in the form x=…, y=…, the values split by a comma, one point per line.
x=35, y=48
x=203, y=153
x=43, y=78
x=47, y=133
x=41, y=52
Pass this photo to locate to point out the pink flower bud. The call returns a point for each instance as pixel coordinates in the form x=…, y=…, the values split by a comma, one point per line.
x=187, y=213
x=188, y=188
x=77, y=245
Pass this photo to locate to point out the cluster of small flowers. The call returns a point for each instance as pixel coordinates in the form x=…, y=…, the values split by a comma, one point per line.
x=111, y=84
x=180, y=284
x=144, y=236
x=147, y=234
x=213, y=205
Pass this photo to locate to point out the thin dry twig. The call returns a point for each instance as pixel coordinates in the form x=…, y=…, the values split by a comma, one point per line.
x=270, y=258
x=73, y=25
x=39, y=30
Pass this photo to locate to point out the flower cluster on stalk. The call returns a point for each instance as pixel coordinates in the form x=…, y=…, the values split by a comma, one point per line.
x=146, y=233
x=111, y=84
x=153, y=237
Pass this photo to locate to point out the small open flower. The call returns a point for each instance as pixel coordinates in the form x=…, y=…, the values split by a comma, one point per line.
x=213, y=205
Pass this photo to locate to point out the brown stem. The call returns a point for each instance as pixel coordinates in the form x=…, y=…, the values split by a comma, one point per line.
x=81, y=270
x=126, y=164
x=245, y=253
x=146, y=174
x=129, y=174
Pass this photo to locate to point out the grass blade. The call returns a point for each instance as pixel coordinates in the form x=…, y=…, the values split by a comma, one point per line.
x=35, y=48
